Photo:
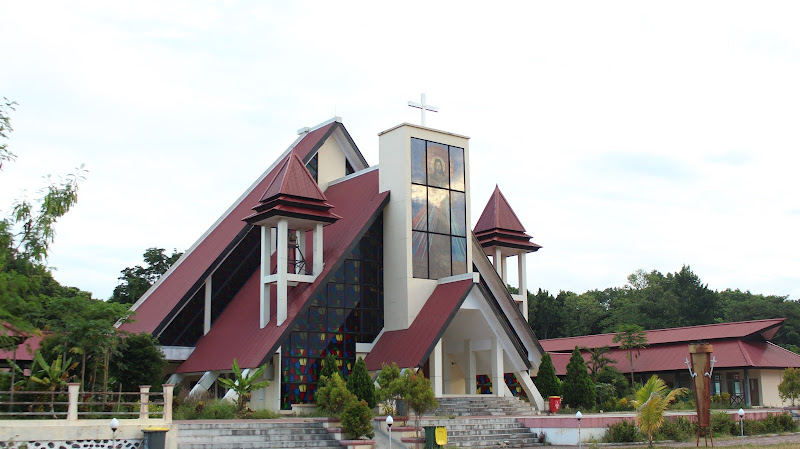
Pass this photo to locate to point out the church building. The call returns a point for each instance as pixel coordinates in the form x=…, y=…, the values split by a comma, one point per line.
x=324, y=254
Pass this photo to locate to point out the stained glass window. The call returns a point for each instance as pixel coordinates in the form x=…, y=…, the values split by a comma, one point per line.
x=312, y=167
x=347, y=311
x=438, y=210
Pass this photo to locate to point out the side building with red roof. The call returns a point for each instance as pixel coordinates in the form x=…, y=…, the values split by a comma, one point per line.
x=746, y=364
x=325, y=255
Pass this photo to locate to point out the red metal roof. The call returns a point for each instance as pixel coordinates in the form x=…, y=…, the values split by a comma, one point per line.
x=292, y=178
x=197, y=261
x=733, y=353
x=499, y=226
x=25, y=349
x=709, y=332
x=410, y=347
x=237, y=334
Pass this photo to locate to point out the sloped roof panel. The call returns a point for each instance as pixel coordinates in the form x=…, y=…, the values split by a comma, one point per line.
x=237, y=333
x=410, y=347
x=498, y=215
x=708, y=332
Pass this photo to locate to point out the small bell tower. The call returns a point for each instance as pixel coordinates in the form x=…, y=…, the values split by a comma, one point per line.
x=292, y=206
x=501, y=236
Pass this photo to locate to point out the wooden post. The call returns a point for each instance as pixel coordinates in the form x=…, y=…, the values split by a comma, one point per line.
x=700, y=354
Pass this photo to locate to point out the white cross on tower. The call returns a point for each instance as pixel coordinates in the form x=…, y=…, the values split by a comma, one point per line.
x=422, y=106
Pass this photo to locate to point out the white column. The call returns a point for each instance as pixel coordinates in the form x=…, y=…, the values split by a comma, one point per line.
x=497, y=261
x=523, y=282
x=497, y=367
x=205, y=382
x=436, y=369
x=318, y=262
x=503, y=270
x=283, y=266
x=266, y=252
x=445, y=368
x=207, y=307
x=469, y=358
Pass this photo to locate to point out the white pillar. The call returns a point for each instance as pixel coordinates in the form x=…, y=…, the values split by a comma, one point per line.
x=207, y=307
x=497, y=367
x=523, y=282
x=503, y=270
x=469, y=358
x=205, y=382
x=266, y=253
x=497, y=261
x=445, y=368
x=436, y=369
x=283, y=266
x=318, y=263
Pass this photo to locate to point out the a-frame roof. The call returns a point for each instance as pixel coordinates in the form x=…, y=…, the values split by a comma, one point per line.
x=166, y=297
x=500, y=226
x=293, y=179
x=237, y=333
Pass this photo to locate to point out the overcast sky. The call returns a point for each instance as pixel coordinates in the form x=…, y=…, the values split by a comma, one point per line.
x=625, y=135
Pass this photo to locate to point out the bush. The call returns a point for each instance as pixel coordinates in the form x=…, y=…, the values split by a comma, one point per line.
x=357, y=420
x=622, y=432
x=214, y=409
x=721, y=423
x=334, y=397
x=361, y=385
x=680, y=429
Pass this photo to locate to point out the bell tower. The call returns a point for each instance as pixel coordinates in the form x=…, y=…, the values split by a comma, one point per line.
x=290, y=208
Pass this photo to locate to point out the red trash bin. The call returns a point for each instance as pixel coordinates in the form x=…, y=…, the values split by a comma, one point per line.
x=555, y=404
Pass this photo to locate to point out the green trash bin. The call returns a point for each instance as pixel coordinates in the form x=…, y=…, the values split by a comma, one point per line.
x=155, y=437
x=430, y=437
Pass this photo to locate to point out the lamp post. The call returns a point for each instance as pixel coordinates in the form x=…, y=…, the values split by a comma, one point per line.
x=741, y=424
x=579, y=415
x=389, y=422
x=114, y=424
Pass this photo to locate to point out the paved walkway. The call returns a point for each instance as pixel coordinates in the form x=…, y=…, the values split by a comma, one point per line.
x=751, y=442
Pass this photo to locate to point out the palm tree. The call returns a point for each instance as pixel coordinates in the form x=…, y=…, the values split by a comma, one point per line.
x=651, y=402
x=630, y=337
x=598, y=359
x=244, y=385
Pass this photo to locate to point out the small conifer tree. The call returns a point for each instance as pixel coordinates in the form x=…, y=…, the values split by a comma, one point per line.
x=546, y=381
x=578, y=388
x=361, y=385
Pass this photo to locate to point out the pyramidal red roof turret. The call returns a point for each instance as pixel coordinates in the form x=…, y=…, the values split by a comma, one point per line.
x=293, y=193
x=499, y=226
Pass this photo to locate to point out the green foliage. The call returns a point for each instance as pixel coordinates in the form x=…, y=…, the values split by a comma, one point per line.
x=135, y=281
x=789, y=388
x=5, y=128
x=721, y=423
x=205, y=409
x=390, y=388
x=53, y=375
x=631, y=337
x=138, y=361
x=361, y=385
x=334, y=397
x=578, y=389
x=418, y=394
x=622, y=432
x=357, y=420
x=244, y=385
x=598, y=360
x=329, y=368
x=614, y=377
x=651, y=402
x=546, y=381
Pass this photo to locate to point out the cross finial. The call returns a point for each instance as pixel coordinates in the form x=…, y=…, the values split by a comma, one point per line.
x=423, y=107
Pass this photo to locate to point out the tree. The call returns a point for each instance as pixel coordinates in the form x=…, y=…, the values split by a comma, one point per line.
x=138, y=361
x=578, y=388
x=52, y=376
x=5, y=128
x=390, y=388
x=789, y=388
x=244, y=385
x=630, y=337
x=614, y=377
x=651, y=402
x=135, y=281
x=361, y=385
x=357, y=420
x=418, y=395
x=546, y=381
x=333, y=397
x=598, y=359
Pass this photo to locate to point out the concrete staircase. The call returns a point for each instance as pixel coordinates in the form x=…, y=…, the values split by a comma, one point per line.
x=482, y=405
x=488, y=432
x=254, y=434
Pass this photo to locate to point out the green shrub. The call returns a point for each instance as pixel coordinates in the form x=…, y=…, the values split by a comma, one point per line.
x=361, y=385
x=721, y=423
x=622, y=432
x=258, y=414
x=357, y=420
x=218, y=409
x=334, y=397
x=680, y=429
x=788, y=424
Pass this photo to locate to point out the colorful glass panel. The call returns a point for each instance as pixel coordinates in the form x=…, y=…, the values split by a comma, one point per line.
x=459, y=248
x=457, y=168
x=483, y=384
x=439, y=256
x=419, y=254
x=438, y=161
x=438, y=210
x=458, y=213
x=418, y=161
x=419, y=208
